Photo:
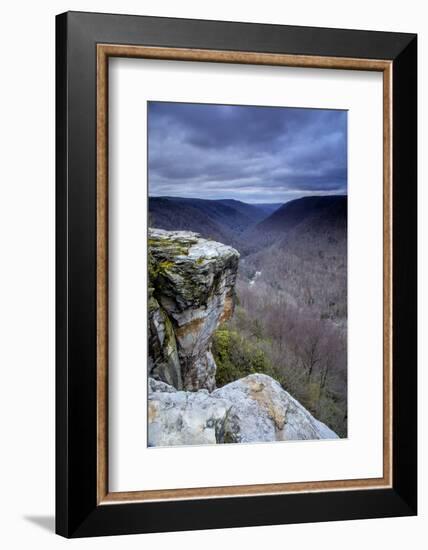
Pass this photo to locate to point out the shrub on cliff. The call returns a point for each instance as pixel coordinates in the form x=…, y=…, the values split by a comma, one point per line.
x=237, y=357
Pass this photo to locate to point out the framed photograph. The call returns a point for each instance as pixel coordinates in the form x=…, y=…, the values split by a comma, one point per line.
x=236, y=274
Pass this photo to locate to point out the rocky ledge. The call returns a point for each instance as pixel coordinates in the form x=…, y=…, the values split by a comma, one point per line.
x=253, y=409
x=191, y=291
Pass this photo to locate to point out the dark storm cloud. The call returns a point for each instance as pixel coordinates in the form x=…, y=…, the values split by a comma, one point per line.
x=254, y=154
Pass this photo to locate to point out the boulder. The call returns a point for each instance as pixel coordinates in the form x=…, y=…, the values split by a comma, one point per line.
x=191, y=283
x=184, y=418
x=253, y=409
x=263, y=411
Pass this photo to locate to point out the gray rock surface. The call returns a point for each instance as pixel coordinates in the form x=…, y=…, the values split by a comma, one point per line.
x=191, y=292
x=184, y=418
x=263, y=411
x=250, y=410
x=164, y=362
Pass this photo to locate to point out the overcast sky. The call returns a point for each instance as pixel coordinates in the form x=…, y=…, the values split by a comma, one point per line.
x=253, y=154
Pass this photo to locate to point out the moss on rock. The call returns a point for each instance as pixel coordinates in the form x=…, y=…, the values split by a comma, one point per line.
x=192, y=281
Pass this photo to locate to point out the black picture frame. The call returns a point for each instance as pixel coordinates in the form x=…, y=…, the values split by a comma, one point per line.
x=77, y=511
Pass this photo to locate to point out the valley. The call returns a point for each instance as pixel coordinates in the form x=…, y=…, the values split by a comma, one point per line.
x=290, y=319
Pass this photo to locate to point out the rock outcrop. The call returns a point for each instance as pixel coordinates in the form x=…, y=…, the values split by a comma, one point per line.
x=263, y=411
x=191, y=291
x=253, y=409
x=184, y=418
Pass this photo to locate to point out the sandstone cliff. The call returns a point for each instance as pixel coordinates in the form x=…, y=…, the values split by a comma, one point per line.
x=191, y=291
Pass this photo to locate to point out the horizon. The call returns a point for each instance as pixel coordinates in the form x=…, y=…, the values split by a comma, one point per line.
x=253, y=154
x=247, y=202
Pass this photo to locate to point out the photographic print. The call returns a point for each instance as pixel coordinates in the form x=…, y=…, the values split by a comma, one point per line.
x=221, y=306
x=247, y=274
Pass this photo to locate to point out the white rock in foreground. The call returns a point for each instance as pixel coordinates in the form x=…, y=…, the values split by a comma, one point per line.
x=250, y=410
x=184, y=418
x=263, y=411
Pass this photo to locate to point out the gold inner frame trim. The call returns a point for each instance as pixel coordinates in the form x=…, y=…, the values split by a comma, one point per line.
x=104, y=51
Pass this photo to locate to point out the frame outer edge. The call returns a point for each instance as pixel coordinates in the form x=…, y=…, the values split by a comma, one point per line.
x=61, y=268
x=405, y=274
x=313, y=41
x=77, y=514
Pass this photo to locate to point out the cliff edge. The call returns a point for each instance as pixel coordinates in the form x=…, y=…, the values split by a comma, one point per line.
x=191, y=291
